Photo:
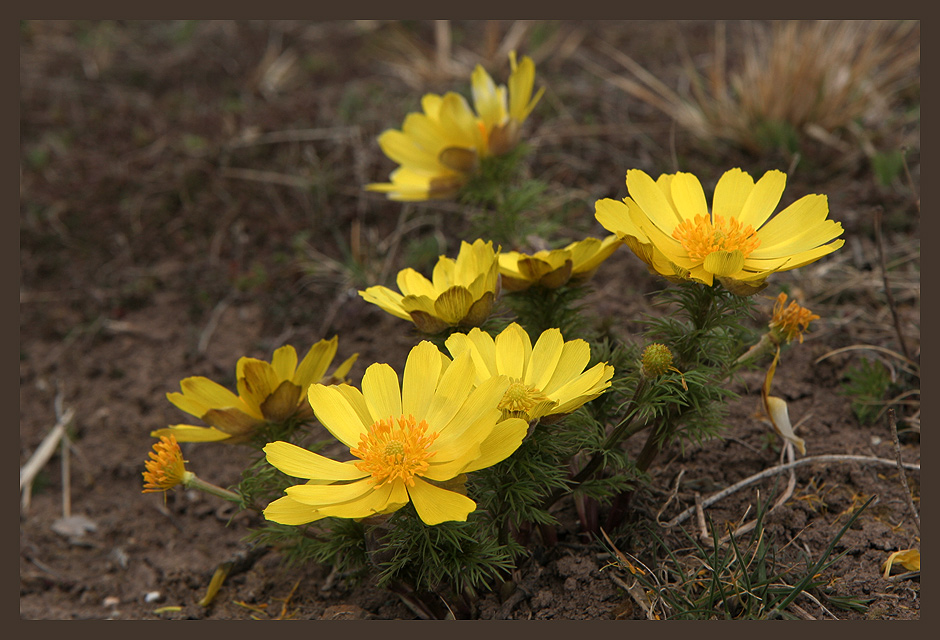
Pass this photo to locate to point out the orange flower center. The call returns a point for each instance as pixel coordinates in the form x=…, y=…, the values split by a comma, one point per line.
x=395, y=449
x=166, y=467
x=701, y=237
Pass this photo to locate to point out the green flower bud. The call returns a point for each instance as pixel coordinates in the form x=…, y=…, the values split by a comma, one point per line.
x=657, y=358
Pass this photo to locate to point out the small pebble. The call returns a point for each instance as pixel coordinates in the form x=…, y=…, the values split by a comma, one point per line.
x=153, y=596
x=875, y=440
x=111, y=601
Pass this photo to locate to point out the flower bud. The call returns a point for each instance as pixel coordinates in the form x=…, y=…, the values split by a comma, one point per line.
x=657, y=359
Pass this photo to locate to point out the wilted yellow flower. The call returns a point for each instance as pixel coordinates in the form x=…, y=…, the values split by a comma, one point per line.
x=267, y=392
x=460, y=293
x=667, y=225
x=166, y=467
x=777, y=410
x=440, y=148
x=547, y=380
x=409, y=442
x=555, y=268
x=790, y=322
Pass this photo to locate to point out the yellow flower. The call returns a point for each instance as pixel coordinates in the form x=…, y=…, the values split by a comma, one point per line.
x=460, y=293
x=501, y=123
x=166, y=467
x=668, y=225
x=547, y=380
x=555, y=268
x=440, y=148
x=267, y=392
x=790, y=322
x=407, y=442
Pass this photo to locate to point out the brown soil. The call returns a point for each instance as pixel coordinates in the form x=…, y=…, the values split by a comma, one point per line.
x=162, y=236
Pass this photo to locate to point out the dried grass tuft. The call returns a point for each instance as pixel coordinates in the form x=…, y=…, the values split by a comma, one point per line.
x=795, y=78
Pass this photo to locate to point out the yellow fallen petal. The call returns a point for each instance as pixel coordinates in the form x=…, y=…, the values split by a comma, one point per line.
x=908, y=558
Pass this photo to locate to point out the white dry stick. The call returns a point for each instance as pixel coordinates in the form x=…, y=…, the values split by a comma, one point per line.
x=682, y=517
x=42, y=454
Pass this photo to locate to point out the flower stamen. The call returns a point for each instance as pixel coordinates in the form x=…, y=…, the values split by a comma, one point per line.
x=395, y=449
x=520, y=399
x=701, y=237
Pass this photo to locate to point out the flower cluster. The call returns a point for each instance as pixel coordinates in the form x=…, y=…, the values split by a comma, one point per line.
x=412, y=442
x=440, y=148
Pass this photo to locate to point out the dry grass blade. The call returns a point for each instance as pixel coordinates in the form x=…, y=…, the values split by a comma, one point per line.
x=817, y=77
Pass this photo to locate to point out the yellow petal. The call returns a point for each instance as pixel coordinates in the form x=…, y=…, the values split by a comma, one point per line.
x=582, y=389
x=383, y=499
x=317, y=495
x=575, y=355
x=731, y=193
x=191, y=433
x=513, y=348
x=801, y=216
x=314, y=365
x=468, y=427
x=256, y=380
x=201, y=394
x=688, y=196
x=282, y=403
x=403, y=150
x=802, y=240
x=451, y=392
x=288, y=511
x=423, y=366
x=652, y=201
x=763, y=199
x=336, y=413
x=502, y=442
x=435, y=505
x=284, y=362
x=452, y=305
x=724, y=263
x=388, y=300
x=231, y=421
x=485, y=98
x=382, y=392
x=300, y=463
x=544, y=358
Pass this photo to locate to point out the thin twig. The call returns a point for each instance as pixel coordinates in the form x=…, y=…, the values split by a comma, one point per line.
x=884, y=276
x=45, y=450
x=766, y=473
x=897, y=451
x=213, y=322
